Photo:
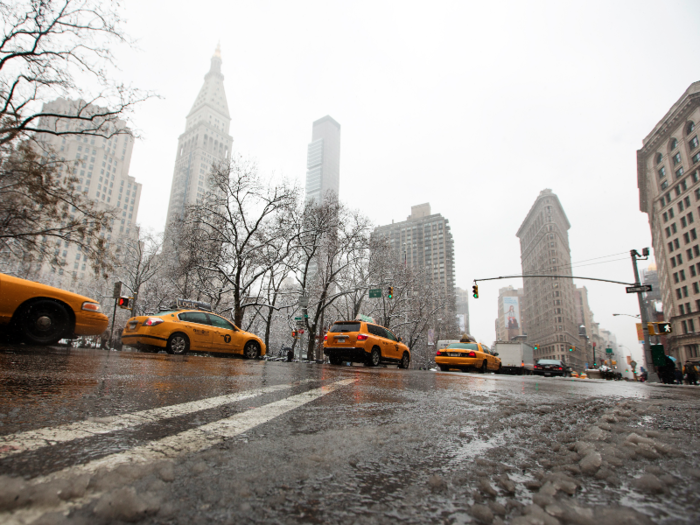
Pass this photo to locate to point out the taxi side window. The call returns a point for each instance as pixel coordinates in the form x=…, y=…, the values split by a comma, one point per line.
x=194, y=317
x=220, y=322
x=390, y=334
x=375, y=330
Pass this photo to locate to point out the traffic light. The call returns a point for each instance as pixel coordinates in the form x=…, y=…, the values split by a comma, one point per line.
x=572, y=348
x=475, y=291
x=390, y=293
x=536, y=347
x=294, y=333
x=124, y=302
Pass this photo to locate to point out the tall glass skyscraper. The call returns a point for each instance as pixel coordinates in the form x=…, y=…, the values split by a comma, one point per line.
x=323, y=160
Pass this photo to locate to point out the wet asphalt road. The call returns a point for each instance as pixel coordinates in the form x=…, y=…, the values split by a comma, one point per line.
x=90, y=436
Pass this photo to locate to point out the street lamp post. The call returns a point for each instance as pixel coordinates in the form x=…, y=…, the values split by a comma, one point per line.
x=651, y=370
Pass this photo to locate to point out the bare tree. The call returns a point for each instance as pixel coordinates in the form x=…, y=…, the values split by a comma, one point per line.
x=140, y=261
x=56, y=48
x=40, y=212
x=242, y=230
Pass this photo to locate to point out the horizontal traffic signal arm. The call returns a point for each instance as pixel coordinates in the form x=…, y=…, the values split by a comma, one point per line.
x=555, y=275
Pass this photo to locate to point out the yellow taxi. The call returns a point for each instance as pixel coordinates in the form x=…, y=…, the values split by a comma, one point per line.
x=363, y=341
x=191, y=326
x=42, y=314
x=467, y=355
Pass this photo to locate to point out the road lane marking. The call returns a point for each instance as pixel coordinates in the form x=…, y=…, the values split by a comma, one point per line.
x=186, y=442
x=34, y=439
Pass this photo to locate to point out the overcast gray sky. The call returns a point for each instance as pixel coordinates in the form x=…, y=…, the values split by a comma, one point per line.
x=474, y=107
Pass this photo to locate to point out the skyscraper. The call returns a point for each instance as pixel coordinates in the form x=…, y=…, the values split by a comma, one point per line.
x=424, y=240
x=101, y=166
x=205, y=142
x=323, y=160
x=549, y=311
x=669, y=192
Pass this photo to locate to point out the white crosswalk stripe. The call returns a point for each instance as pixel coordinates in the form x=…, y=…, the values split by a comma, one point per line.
x=35, y=439
x=186, y=442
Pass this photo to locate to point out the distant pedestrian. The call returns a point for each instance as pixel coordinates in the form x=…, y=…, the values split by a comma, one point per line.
x=691, y=372
x=678, y=374
x=666, y=371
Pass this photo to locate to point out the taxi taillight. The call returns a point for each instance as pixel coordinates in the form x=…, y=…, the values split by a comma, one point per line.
x=152, y=321
x=471, y=354
x=325, y=338
x=362, y=337
x=439, y=352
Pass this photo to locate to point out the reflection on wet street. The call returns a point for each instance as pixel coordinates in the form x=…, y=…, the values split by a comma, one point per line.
x=99, y=436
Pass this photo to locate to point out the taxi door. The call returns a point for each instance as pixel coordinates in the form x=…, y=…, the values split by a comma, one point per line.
x=489, y=357
x=226, y=336
x=393, y=345
x=196, y=326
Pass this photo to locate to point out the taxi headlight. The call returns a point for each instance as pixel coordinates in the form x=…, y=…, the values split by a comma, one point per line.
x=91, y=307
x=152, y=321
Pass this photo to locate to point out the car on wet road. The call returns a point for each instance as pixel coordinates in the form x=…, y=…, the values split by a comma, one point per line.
x=179, y=331
x=467, y=356
x=42, y=315
x=360, y=341
x=551, y=367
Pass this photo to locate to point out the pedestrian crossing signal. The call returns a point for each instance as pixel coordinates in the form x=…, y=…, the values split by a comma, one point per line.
x=663, y=328
x=475, y=291
x=124, y=302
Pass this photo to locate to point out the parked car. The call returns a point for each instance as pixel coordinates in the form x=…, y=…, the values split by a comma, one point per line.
x=42, y=314
x=467, y=356
x=361, y=341
x=182, y=330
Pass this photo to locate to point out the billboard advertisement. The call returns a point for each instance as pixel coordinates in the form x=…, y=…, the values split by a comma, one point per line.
x=511, y=307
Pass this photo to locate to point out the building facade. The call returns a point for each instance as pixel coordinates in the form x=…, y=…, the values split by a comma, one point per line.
x=424, y=240
x=101, y=167
x=205, y=142
x=462, y=310
x=323, y=160
x=509, y=323
x=669, y=193
x=549, y=311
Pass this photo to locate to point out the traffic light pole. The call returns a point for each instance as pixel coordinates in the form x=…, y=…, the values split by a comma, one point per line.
x=651, y=370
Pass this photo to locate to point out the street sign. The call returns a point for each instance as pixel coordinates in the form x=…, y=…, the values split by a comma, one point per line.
x=297, y=318
x=375, y=293
x=303, y=301
x=639, y=288
x=608, y=351
x=663, y=328
x=117, y=290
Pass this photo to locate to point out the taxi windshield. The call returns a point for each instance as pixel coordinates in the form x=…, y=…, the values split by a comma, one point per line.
x=345, y=327
x=464, y=346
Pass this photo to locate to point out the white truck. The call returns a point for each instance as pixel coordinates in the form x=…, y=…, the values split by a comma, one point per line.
x=516, y=357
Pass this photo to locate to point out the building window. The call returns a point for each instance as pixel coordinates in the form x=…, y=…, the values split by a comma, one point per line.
x=690, y=218
x=685, y=327
x=678, y=293
x=696, y=288
x=681, y=309
x=691, y=326
x=679, y=258
x=664, y=185
x=696, y=250
x=666, y=214
x=684, y=223
x=693, y=234
x=662, y=172
x=679, y=172
x=693, y=273
x=689, y=253
x=694, y=142
x=676, y=159
x=676, y=244
x=686, y=237
x=687, y=201
x=674, y=144
x=673, y=227
x=670, y=212
x=696, y=157
x=668, y=232
x=673, y=262
x=675, y=277
x=682, y=275
x=685, y=291
x=690, y=128
x=659, y=158
x=670, y=246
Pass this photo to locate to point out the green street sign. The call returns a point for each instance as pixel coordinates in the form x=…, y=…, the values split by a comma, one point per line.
x=375, y=293
x=298, y=318
x=608, y=351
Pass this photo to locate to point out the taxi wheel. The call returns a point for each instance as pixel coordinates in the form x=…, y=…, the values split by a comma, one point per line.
x=44, y=322
x=405, y=361
x=251, y=350
x=484, y=367
x=178, y=344
x=375, y=357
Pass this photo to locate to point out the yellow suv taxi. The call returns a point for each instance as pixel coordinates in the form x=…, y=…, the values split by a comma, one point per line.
x=364, y=342
x=466, y=356
x=42, y=314
x=197, y=329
